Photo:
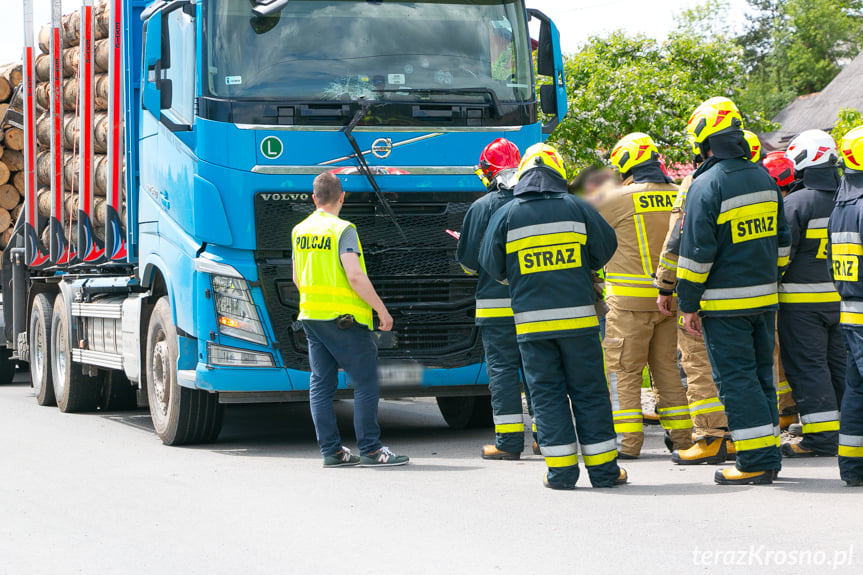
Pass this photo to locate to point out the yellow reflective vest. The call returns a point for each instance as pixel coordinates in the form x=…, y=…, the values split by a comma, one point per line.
x=325, y=292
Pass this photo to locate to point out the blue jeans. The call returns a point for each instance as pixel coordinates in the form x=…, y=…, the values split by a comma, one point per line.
x=355, y=351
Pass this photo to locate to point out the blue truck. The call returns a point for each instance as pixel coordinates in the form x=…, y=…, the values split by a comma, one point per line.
x=229, y=109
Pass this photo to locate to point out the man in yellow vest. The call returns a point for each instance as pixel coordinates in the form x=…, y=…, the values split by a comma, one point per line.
x=336, y=302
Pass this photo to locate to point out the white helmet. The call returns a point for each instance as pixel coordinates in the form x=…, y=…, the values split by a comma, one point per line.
x=812, y=148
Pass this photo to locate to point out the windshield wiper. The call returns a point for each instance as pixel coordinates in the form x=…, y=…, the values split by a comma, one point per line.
x=495, y=103
x=364, y=167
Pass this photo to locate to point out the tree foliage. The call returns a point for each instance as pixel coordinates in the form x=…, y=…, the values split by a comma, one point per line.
x=847, y=120
x=621, y=84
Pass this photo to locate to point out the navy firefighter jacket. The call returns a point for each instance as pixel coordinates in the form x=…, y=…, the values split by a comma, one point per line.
x=492, y=297
x=735, y=242
x=807, y=283
x=546, y=245
x=845, y=248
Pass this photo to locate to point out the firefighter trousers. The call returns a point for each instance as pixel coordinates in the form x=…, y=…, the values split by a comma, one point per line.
x=741, y=353
x=503, y=365
x=783, y=390
x=566, y=376
x=813, y=354
x=851, y=415
x=707, y=412
x=634, y=339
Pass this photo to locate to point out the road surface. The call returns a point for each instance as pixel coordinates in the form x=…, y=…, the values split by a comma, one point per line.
x=98, y=493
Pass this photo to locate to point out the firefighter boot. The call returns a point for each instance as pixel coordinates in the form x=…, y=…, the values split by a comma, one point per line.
x=492, y=452
x=710, y=450
x=536, y=449
x=786, y=420
x=555, y=485
x=733, y=476
x=797, y=450
x=730, y=449
x=622, y=478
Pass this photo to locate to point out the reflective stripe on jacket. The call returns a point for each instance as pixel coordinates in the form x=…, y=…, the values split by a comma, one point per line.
x=639, y=214
x=735, y=241
x=325, y=292
x=545, y=244
x=807, y=282
x=492, y=298
x=665, y=277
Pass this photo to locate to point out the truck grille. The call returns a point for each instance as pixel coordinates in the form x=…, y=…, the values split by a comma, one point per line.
x=430, y=298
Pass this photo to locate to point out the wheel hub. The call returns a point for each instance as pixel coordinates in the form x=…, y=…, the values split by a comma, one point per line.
x=161, y=378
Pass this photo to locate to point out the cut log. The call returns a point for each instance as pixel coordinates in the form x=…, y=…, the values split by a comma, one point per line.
x=71, y=59
x=12, y=74
x=3, y=106
x=5, y=90
x=9, y=197
x=99, y=213
x=2, y=150
x=5, y=174
x=5, y=219
x=19, y=181
x=14, y=160
x=71, y=24
x=46, y=236
x=5, y=238
x=43, y=202
x=16, y=212
x=71, y=203
x=14, y=138
x=70, y=93
x=71, y=170
x=70, y=132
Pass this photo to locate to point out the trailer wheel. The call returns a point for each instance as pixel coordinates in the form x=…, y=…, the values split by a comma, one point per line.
x=466, y=412
x=7, y=366
x=75, y=392
x=180, y=415
x=40, y=356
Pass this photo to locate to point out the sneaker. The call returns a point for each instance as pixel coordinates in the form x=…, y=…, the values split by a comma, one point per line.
x=383, y=457
x=343, y=458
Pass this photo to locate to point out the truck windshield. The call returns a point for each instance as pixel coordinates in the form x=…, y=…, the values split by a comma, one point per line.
x=342, y=50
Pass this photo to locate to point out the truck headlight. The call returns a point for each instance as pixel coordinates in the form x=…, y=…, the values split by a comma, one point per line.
x=235, y=312
x=234, y=357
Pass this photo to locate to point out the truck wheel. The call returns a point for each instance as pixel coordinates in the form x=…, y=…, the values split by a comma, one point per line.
x=75, y=392
x=7, y=366
x=40, y=356
x=180, y=415
x=118, y=394
x=466, y=412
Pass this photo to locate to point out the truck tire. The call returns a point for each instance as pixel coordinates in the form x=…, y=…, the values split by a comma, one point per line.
x=118, y=393
x=40, y=349
x=7, y=366
x=75, y=392
x=180, y=415
x=466, y=412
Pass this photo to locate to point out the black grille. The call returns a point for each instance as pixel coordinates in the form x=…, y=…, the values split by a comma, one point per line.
x=430, y=298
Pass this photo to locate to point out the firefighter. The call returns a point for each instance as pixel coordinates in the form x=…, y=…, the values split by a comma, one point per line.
x=754, y=147
x=636, y=334
x=781, y=169
x=734, y=246
x=545, y=244
x=712, y=441
x=498, y=164
x=845, y=250
x=336, y=303
x=810, y=337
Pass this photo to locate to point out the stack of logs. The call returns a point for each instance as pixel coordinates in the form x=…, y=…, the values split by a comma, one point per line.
x=11, y=156
x=71, y=136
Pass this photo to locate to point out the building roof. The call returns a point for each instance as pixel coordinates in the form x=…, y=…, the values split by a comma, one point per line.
x=818, y=111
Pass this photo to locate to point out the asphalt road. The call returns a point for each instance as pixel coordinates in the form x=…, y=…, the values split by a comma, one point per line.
x=99, y=493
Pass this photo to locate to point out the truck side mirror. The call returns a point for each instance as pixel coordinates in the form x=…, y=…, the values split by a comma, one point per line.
x=549, y=62
x=151, y=100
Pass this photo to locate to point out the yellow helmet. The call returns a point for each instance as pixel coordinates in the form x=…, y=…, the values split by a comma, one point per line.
x=754, y=145
x=851, y=149
x=632, y=150
x=714, y=116
x=690, y=139
x=541, y=155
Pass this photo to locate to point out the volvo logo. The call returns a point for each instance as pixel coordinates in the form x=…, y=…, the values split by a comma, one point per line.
x=285, y=197
x=382, y=148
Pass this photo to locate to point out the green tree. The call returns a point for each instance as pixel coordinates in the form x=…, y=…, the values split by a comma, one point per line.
x=846, y=120
x=622, y=84
x=795, y=47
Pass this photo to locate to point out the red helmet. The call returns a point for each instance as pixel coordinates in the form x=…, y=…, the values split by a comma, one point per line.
x=780, y=167
x=499, y=155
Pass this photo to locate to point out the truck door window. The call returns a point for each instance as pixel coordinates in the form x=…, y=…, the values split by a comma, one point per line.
x=181, y=72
